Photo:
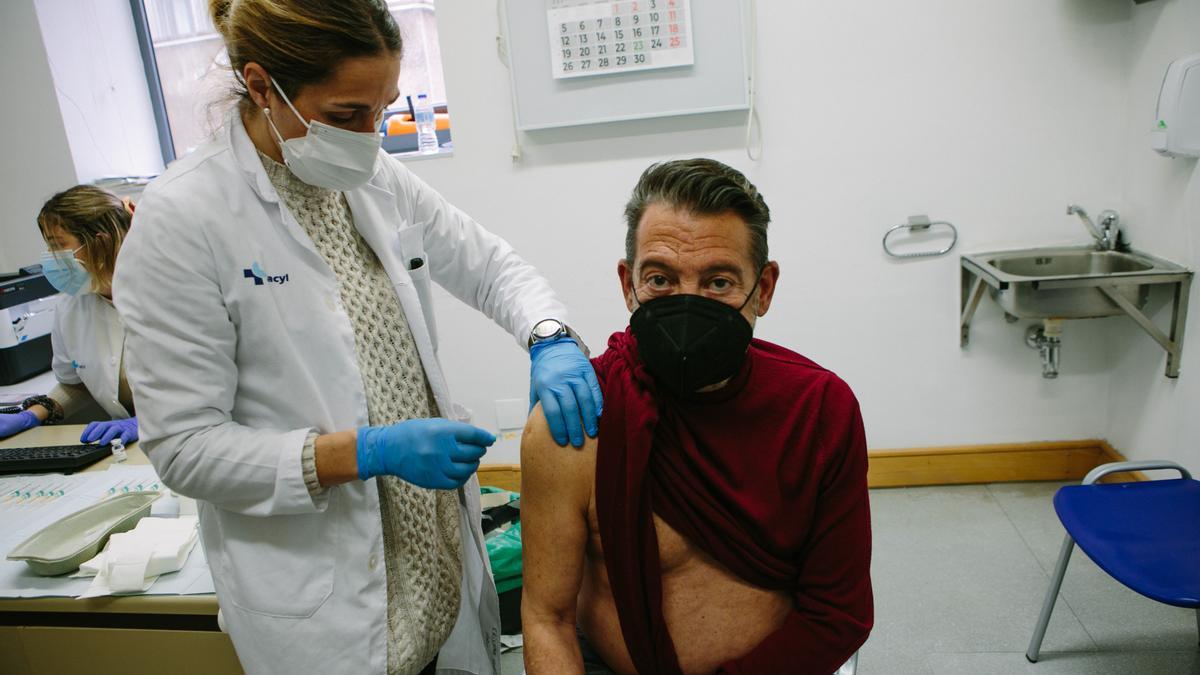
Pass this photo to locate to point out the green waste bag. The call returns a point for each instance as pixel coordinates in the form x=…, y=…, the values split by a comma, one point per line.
x=504, y=552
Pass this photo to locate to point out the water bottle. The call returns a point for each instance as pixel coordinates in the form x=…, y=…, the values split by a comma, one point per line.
x=427, y=142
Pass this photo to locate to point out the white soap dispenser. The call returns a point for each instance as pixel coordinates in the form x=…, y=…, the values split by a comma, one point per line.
x=1177, y=121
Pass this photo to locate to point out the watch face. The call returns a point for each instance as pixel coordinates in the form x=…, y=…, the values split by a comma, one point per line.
x=547, y=328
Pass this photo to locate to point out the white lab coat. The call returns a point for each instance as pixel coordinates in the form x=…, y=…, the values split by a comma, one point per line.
x=230, y=375
x=89, y=343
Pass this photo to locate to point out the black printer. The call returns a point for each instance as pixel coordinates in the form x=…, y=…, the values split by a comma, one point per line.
x=27, y=303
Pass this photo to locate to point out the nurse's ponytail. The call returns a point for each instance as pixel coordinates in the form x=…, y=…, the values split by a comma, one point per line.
x=301, y=42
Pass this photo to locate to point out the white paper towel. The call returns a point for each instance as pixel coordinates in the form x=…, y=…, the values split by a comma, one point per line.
x=132, y=561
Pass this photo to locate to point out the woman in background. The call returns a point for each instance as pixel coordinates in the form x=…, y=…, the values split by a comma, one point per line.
x=83, y=227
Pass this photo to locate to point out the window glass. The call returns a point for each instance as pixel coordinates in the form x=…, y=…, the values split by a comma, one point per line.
x=193, y=71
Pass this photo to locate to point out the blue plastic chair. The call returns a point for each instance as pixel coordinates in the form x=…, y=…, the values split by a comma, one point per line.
x=1144, y=534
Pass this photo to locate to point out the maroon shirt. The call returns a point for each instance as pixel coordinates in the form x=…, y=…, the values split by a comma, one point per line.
x=768, y=475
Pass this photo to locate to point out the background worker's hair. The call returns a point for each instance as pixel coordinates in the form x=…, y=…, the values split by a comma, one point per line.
x=97, y=218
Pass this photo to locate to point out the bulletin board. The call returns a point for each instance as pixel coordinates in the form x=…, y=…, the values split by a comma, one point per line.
x=576, y=62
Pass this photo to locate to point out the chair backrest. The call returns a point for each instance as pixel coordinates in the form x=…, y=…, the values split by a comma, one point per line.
x=1142, y=533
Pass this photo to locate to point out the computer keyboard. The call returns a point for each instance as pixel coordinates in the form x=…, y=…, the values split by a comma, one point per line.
x=54, y=458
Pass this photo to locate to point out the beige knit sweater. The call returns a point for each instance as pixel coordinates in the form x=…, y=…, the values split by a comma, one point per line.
x=420, y=527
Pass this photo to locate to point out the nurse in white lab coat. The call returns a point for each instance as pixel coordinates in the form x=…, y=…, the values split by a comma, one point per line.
x=277, y=293
x=83, y=228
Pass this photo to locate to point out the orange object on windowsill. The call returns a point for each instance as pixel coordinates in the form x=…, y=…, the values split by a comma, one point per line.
x=398, y=125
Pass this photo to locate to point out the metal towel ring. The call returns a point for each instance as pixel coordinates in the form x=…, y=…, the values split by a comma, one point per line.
x=920, y=223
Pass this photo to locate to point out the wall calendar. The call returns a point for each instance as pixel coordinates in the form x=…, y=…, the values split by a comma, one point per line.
x=596, y=37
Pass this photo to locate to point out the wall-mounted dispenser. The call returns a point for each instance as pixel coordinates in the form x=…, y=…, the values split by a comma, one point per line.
x=1177, y=120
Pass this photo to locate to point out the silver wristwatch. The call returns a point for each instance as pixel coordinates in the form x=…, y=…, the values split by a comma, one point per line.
x=547, y=330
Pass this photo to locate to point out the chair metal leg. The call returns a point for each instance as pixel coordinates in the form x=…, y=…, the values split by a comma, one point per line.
x=1060, y=570
x=850, y=667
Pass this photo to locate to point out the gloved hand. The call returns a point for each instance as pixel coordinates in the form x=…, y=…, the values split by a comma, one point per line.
x=105, y=432
x=438, y=454
x=562, y=378
x=11, y=425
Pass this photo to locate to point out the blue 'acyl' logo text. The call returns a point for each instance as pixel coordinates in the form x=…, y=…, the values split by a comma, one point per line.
x=260, y=277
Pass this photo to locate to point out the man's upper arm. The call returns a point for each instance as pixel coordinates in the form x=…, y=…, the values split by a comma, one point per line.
x=833, y=605
x=556, y=486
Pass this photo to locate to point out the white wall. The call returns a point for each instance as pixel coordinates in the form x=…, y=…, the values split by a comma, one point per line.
x=1150, y=416
x=36, y=158
x=994, y=115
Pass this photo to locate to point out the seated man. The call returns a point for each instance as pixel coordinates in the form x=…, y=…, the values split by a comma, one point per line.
x=719, y=521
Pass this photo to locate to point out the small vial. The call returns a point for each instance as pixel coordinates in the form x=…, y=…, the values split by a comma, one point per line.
x=118, y=450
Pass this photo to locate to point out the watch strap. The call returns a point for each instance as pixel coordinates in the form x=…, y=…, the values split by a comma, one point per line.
x=578, y=340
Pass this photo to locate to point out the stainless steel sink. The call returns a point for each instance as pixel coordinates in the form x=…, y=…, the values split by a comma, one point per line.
x=1063, y=283
x=1071, y=263
x=1076, y=283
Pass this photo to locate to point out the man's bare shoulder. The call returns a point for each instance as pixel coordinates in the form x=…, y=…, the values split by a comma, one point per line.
x=550, y=468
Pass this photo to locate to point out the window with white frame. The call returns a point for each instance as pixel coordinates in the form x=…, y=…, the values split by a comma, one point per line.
x=191, y=72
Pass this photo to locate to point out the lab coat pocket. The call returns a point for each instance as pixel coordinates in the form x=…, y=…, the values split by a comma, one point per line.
x=411, y=247
x=285, y=563
x=422, y=283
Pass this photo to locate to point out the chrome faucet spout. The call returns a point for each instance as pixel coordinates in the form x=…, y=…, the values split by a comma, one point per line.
x=1077, y=210
x=1106, y=234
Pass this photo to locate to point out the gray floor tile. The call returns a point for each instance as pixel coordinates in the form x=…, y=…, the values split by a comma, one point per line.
x=1088, y=663
x=1030, y=508
x=875, y=661
x=951, y=574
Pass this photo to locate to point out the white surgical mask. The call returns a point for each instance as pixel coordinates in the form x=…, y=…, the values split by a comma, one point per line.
x=328, y=157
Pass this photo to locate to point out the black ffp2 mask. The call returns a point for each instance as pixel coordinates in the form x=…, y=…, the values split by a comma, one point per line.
x=689, y=342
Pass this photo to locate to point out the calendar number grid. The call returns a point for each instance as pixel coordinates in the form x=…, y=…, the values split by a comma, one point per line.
x=595, y=37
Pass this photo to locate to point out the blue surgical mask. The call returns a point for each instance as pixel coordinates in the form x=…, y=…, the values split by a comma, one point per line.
x=65, y=272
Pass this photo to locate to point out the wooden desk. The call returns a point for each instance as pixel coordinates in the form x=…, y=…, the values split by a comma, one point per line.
x=99, y=636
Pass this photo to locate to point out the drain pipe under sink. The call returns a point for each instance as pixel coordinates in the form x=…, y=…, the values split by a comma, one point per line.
x=1047, y=339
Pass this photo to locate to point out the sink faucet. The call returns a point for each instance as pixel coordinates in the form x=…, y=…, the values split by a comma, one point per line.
x=1106, y=234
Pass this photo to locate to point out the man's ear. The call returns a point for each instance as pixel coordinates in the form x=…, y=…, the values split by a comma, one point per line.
x=766, y=287
x=625, y=274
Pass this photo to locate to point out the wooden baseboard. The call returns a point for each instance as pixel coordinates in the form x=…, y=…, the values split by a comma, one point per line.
x=1055, y=460
x=956, y=465
x=503, y=476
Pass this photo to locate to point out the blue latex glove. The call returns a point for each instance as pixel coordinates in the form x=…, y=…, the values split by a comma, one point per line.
x=438, y=454
x=11, y=425
x=105, y=432
x=563, y=379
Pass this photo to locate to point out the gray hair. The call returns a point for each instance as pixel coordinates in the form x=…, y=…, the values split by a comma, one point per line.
x=703, y=187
